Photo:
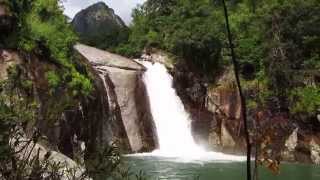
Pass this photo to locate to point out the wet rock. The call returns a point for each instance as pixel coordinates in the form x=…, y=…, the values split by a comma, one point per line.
x=302, y=151
x=159, y=56
x=290, y=146
x=192, y=90
x=224, y=97
x=291, y=142
x=226, y=139
x=223, y=100
x=315, y=151
x=214, y=141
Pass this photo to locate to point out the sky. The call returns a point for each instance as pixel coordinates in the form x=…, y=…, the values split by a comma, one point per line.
x=123, y=8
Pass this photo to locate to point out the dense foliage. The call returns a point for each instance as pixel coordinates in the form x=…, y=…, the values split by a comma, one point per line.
x=189, y=29
x=41, y=28
x=277, y=44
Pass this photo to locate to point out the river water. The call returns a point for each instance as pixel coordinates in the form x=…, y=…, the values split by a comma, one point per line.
x=172, y=169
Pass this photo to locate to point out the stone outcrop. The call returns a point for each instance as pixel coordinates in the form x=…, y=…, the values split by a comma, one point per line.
x=123, y=77
x=104, y=58
x=315, y=151
x=224, y=102
x=7, y=59
x=216, y=111
x=290, y=146
x=99, y=26
x=159, y=56
x=30, y=151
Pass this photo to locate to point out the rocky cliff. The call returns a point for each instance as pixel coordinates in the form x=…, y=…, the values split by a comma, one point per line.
x=99, y=26
x=127, y=95
x=217, y=124
x=63, y=120
x=116, y=112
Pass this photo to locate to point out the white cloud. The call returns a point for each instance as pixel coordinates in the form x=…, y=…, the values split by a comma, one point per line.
x=123, y=8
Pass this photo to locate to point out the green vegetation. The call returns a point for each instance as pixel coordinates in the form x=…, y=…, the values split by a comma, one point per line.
x=53, y=79
x=277, y=44
x=305, y=99
x=188, y=29
x=42, y=29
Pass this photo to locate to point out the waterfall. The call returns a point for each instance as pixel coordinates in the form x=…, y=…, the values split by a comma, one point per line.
x=172, y=121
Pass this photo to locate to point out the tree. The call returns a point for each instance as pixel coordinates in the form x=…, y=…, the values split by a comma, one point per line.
x=242, y=98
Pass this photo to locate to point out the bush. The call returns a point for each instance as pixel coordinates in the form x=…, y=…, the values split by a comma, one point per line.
x=305, y=100
x=53, y=79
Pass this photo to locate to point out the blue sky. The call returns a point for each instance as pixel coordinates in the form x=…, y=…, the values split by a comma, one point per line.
x=123, y=8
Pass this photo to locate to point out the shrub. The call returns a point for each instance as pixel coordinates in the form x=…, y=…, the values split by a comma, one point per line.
x=305, y=100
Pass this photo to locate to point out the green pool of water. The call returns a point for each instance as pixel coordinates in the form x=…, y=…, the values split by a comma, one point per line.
x=157, y=168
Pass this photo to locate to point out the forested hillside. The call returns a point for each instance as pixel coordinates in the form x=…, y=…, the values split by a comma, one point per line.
x=277, y=44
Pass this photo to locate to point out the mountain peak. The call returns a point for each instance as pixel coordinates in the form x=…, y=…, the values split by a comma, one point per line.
x=98, y=25
x=99, y=4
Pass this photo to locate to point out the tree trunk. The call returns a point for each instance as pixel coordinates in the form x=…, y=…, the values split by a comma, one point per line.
x=243, y=101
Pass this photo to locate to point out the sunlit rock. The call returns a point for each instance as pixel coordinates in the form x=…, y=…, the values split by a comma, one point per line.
x=127, y=93
x=315, y=151
x=290, y=145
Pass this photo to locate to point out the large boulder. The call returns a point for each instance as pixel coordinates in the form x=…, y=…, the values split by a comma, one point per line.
x=123, y=79
x=30, y=152
x=99, y=26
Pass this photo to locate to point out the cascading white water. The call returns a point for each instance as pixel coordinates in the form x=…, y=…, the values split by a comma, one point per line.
x=171, y=119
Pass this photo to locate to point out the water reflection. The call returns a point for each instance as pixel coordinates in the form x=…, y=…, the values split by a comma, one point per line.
x=162, y=168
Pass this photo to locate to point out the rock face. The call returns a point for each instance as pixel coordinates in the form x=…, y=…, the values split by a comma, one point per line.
x=99, y=26
x=65, y=121
x=224, y=102
x=216, y=111
x=315, y=151
x=123, y=78
x=290, y=146
x=25, y=147
x=192, y=90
